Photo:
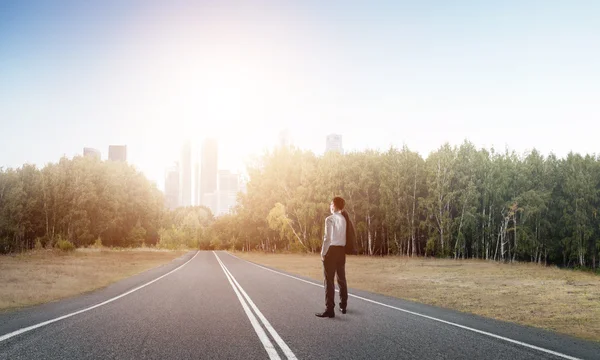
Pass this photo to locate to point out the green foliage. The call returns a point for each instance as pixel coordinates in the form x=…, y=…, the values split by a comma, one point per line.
x=186, y=228
x=136, y=235
x=430, y=247
x=297, y=247
x=460, y=201
x=79, y=199
x=65, y=245
x=171, y=239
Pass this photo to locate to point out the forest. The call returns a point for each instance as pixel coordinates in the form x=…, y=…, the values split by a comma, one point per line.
x=458, y=202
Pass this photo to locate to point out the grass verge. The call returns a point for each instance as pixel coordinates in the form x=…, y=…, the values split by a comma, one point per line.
x=564, y=301
x=47, y=275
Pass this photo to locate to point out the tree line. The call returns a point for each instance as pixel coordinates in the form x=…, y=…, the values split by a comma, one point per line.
x=85, y=201
x=459, y=202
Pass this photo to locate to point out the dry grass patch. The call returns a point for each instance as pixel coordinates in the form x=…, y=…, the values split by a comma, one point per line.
x=47, y=275
x=564, y=301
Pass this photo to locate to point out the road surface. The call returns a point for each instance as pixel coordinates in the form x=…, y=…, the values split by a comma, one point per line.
x=213, y=305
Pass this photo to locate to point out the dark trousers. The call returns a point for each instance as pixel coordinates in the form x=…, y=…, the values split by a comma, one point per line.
x=335, y=262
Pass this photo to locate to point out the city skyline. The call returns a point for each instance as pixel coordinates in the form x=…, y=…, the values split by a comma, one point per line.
x=209, y=167
x=334, y=143
x=196, y=183
x=172, y=187
x=228, y=190
x=214, y=187
x=513, y=74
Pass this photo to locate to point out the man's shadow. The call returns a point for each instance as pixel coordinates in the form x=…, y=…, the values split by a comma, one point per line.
x=349, y=315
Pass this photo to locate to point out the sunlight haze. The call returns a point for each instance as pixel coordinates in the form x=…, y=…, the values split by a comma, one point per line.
x=517, y=75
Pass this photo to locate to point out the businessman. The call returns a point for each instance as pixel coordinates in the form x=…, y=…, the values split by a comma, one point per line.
x=333, y=255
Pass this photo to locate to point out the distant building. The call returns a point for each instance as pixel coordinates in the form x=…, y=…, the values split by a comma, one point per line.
x=197, y=184
x=208, y=173
x=285, y=139
x=172, y=187
x=185, y=175
x=228, y=189
x=334, y=143
x=117, y=152
x=91, y=152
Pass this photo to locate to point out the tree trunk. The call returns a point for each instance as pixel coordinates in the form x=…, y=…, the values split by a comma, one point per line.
x=490, y=231
x=516, y=238
x=457, y=245
x=545, y=257
x=442, y=239
x=482, y=242
x=412, y=225
x=369, y=237
x=501, y=235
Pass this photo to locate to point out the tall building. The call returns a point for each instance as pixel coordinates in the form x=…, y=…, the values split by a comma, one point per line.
x=228, y=189
x=117, y=152
x=285, y=139
x=185, y=175
x=91, y=152
x=334, y=143
x=197, y=184
x=208, y=173
x=172, y=187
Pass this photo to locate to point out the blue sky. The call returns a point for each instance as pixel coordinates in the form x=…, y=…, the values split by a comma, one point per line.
x=521, y=74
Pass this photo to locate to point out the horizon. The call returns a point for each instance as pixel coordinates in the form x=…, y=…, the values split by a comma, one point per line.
x=516, y=75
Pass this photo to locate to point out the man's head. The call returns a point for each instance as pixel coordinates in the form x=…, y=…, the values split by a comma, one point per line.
x=337, y=204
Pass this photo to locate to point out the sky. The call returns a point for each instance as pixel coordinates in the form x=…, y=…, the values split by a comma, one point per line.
x=154, y=74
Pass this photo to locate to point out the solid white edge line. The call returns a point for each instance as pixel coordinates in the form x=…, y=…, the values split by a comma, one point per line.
x=264, y=339
x=547, y=351
x=32, y=327
x=286, y=350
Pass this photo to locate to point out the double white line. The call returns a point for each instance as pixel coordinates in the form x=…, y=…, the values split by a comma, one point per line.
x=271, y=350
x=516, y=342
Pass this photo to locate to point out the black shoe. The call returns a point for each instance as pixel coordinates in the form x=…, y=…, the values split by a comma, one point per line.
x=342, y=308
x=326, y=314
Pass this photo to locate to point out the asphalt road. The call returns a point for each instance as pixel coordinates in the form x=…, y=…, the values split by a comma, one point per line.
x=212, y=305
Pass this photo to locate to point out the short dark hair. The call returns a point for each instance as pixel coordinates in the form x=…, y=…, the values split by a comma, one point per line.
x=339, y=203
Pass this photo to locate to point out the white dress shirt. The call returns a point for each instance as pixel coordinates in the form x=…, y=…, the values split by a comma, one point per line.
x=335, y=232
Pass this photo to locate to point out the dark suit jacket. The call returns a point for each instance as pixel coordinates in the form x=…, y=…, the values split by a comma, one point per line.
x=350, y=235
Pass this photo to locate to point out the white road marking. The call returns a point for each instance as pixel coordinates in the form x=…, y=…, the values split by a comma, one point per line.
x=264, y=339
x=547, y=351
x=286, y=350
x=32, y=327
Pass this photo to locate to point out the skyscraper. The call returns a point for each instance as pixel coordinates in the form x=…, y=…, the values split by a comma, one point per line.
x=228, y=189
x=334, y=143
x=197, y=184
x=172, y=187
x=90, y=152
x=285, y=140
x=185, y=175
x=117, y=152
x=208, y=174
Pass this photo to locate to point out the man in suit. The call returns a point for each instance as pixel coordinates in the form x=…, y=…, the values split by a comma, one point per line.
x=333, y=255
